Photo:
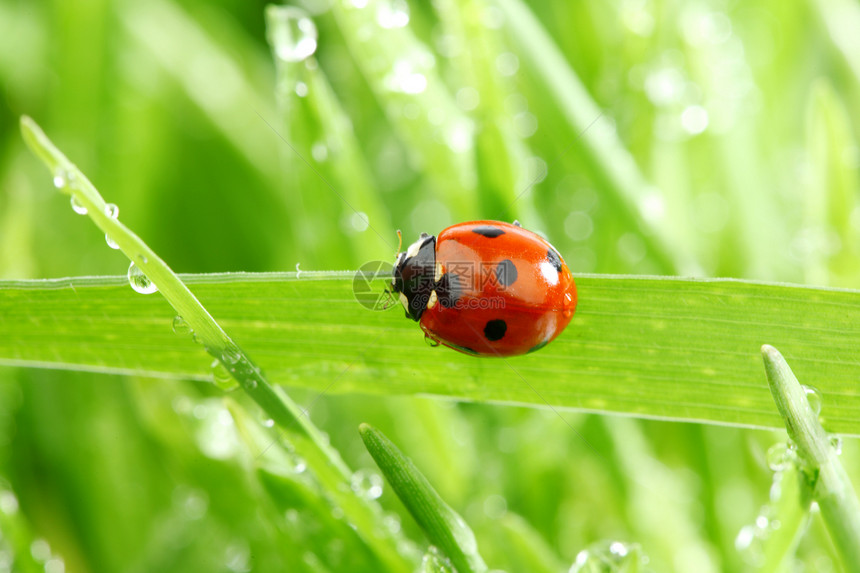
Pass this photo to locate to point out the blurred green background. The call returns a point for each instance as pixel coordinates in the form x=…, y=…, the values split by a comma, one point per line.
x=708, y=138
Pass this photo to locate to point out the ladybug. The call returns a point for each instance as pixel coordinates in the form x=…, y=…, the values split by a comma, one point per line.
x=485, y=288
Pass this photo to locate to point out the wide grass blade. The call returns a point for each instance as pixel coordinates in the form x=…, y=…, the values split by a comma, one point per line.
x=665, y=348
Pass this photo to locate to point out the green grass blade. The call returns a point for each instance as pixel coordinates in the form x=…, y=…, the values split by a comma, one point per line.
x=443, y=527
x=655, y=347
x=840, y=507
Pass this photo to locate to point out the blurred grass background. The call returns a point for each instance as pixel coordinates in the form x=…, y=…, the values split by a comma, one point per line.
x=740, y=118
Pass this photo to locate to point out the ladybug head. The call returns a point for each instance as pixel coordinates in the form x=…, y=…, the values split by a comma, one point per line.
x=414, y=275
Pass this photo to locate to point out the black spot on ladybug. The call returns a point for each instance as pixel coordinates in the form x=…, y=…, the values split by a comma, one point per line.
x=538, y=346
x=495, y=329
x=488, y=231
x=506, y=273
x=554, y=258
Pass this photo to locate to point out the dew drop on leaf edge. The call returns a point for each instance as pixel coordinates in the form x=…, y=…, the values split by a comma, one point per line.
x=111, y=210
x=139, y=281
x=77, y=207
x=291, y=33
x=813, y=396
x=181, y=327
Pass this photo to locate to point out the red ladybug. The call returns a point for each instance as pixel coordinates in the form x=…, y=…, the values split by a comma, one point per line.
x=486, y=288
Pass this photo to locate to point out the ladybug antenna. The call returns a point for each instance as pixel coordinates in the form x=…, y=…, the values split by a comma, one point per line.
x=399, y=242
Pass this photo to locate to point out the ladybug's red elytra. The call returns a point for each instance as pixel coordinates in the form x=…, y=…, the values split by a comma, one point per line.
x=486, y=288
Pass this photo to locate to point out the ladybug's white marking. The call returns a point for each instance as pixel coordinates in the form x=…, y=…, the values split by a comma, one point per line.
x=404, y=301
x=439, y=272
x=549, y=272
x=414, y=248
x=433, y=300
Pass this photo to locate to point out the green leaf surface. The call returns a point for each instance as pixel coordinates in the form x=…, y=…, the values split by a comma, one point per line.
x=668, y=348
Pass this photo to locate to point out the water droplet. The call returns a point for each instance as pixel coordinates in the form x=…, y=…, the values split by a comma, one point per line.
x=291, y=33
x=40, y=550
x=745, y=537
x=77, y=207
x=637, y=18
x=404, y=78
x=111, y=210
x=296, y=464
x=231, y=355
x=268, y=423
x=319, y=151
x=610, y=557
x=392, y=13
x=391, y=522
x=813, y=396
x=431, y=342
x=139, y=281
x=836, y=444
x=301, y=89
x=194, y=503
x=780, y=457
x=492, y=17
x=359, y=221
x=251, y=383
x=507, y=63
x=516, y=103
x=694, y=119
x=652, y=206
x=495, y=506
x=8, y=502
x=448, y=45
x=525, y=124
x=665, y=86
x=578, y=225
x=701, y=26
x=61, y=178
x=222, y=377
x=181, y=327
x=367, y=484
x=237, y=556
x=110, y=242
x=468, y=98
